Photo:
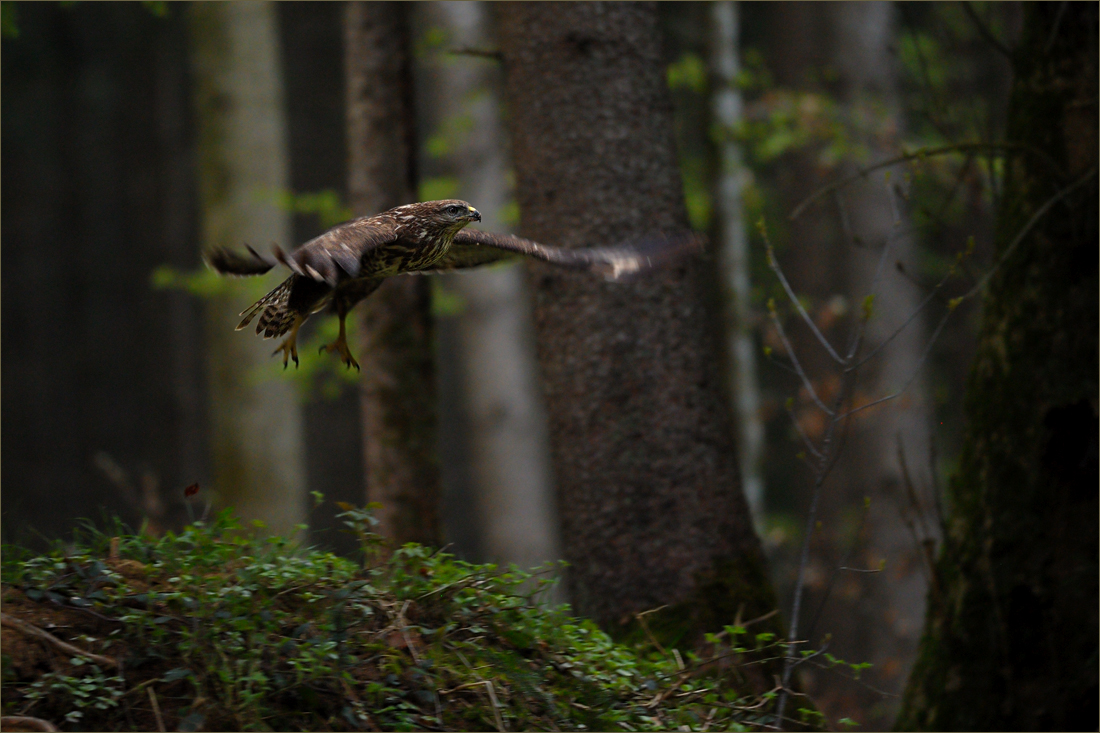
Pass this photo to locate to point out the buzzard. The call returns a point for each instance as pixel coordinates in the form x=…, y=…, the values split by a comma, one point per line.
x=348, y=262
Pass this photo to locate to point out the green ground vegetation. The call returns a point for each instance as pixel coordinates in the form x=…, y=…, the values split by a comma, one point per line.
x=217, y=628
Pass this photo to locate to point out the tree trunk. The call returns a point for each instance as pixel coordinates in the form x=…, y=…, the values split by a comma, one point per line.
x=398, y=394
x=733, y=253
x=641, y=441
x=313, y=66
x=258, y=456
x=505, y=428
x=1011, y=640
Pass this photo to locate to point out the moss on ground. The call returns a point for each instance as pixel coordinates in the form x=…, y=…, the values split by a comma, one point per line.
x=214, y=629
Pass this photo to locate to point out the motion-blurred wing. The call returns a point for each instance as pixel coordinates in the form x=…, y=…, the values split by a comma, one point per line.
x=472, y=248
x=340, y=248
x=228, y=262
x=321, y=258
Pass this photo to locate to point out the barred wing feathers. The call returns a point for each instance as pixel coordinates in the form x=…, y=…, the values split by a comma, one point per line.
x=472, y=248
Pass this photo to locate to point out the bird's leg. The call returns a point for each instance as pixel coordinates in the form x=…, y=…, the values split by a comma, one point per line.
x=289, y=346
x=340, y=345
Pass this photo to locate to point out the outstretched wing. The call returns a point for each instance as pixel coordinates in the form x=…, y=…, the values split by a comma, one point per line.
x=472, y=248
x=321, y=258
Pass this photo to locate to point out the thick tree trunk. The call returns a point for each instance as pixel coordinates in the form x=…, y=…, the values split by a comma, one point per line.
x=641, y=441
x=505, y=432
x=1011, y=641
x=258, y=455
x=313, y=66
x=398, y=395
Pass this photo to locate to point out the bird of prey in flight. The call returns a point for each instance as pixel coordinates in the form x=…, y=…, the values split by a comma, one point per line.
x=347, y=263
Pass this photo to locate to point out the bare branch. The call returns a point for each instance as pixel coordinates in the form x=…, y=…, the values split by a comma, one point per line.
x=912, y=377
x=919, y=155
x=487, y=53
x=1054, y=28
x=25, y=721
x=794, y=360
x=1027, y=229
x=774, y=265
x=31, y=630
x=912, y=316
x=805, y=438
x=987, y=34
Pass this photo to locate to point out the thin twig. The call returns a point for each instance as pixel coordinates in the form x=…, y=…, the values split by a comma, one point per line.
x=774, y=265
x=918, y=155
x=912, y=316
x=1042, y=210
x=937, y=491
x=488, y=686
x=488, y=53
x=804, y=559
x=645, y=627
x=911, y=488
x=988, y=34
x=827, y=462
x=1020, y=236
x=922, y=538
x=802, y=433
x=836, y=572
x=794, y=360
x=405, y=633
x=1054, y=27
x=7, y=721
x=32, y=630
x=912, y=377
x=496, y=706
x=156, y=710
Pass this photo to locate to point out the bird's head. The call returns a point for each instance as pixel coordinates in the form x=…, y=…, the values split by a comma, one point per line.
x=432, y=221
x=454, y=211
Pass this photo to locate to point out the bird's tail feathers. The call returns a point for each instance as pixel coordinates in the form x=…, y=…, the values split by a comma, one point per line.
x=276, y=317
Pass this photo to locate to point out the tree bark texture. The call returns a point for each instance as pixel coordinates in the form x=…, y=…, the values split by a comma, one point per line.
x=1011, y=642
x=641, y=442
x=504, y=433
x=398, y=393
x=256, y=425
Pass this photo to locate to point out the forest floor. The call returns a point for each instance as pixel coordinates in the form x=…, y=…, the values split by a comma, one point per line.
x=217, y=629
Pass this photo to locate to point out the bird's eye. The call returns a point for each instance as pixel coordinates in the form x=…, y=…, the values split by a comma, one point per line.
x=453, y=209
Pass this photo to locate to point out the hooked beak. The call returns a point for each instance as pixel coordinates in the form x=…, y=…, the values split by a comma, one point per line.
x=475, y=215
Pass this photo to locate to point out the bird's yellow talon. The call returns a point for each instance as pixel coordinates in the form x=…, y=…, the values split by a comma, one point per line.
x=289, y=346
x=340, y=346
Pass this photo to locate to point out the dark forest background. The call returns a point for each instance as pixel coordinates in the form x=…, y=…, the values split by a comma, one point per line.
x=568, y=417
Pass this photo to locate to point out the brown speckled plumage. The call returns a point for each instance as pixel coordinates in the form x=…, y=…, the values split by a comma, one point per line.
x=348, y=262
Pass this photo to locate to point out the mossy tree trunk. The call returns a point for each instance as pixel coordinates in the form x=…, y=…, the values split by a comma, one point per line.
x=257, y=446
x=1011, y=638
x=398, y=393
x=641, y=442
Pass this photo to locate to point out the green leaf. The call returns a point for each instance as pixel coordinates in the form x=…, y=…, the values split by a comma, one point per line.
x=688, y=72
x=868, y=306
x=8, y=26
